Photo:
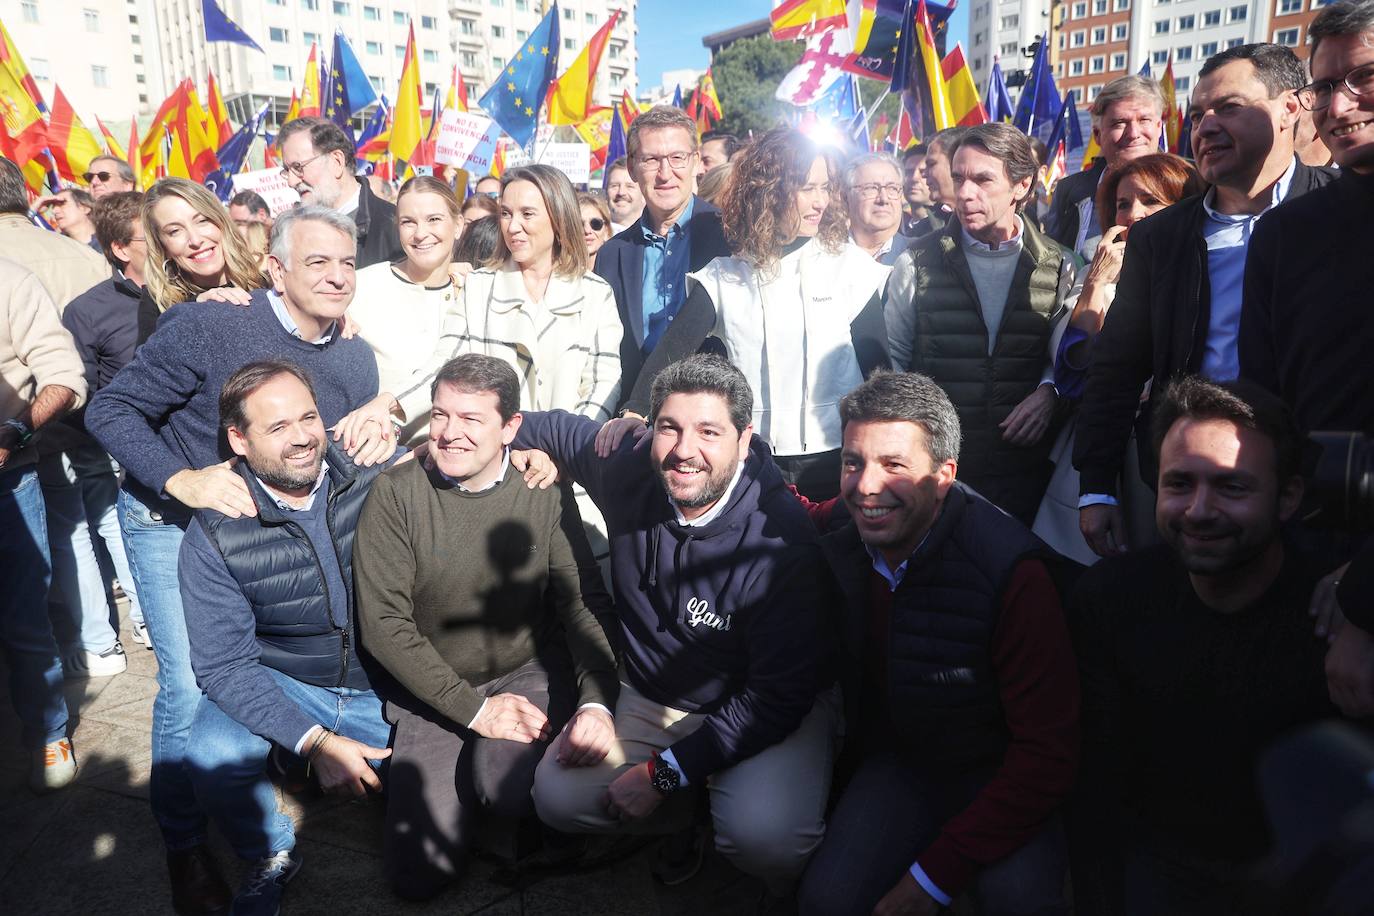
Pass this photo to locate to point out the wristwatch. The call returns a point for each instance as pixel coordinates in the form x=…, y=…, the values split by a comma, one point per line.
x=22, y=429
x=662, y=776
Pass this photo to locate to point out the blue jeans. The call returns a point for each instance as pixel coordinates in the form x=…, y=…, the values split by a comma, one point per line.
x=153, y=541
x=25, y=631
x=228, y=763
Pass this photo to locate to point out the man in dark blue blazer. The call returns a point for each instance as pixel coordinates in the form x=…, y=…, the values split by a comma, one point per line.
x=648, y=263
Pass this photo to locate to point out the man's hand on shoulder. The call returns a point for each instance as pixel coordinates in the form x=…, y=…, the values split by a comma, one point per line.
x=907, y=898
x=217, y=487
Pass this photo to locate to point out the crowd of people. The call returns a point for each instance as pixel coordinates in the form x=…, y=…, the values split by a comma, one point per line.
x=903, y=533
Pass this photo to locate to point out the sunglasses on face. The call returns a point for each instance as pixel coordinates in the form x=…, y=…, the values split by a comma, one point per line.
x=92, y=176
x=596, y=223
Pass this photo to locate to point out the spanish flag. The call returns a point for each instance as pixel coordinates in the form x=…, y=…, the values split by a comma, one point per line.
x=111, y=144
x=963, y=91
x=457, y=92
x=310, y=87
x=217, y=126
x=25, y=134
x=570, y=98
x=1173, y=118
x=135, y=160
x=803, y=18
x=406, y=131
x=707, y=102
x=9, y=56
x=72, y=145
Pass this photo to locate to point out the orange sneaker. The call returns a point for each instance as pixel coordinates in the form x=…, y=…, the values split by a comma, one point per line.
x=54, y=766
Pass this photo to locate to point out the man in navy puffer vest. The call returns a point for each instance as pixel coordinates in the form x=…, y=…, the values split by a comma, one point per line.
x=269, y=611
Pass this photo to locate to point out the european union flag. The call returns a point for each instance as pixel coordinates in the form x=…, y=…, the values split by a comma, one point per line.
x=219, y=27
x=615, y=148
x=346, y=89
x=514, y=98
x=997, y=98
x=1039, y=101
x=376, y=124
x=1067, y=128
x=233, y=154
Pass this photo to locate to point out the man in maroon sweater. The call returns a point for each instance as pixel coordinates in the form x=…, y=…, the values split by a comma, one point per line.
x=960, y=684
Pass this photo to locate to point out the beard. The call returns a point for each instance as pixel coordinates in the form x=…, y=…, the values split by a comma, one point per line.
x=278, y=474
x=711, y=487
x=1231, y=547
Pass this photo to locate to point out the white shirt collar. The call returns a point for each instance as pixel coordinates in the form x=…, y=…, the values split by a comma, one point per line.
x=350, y=206
x=1276, y=195
x=711, y=514
x=279, y=309
x=309, y=500
x=1013, y=243
x=505, y=466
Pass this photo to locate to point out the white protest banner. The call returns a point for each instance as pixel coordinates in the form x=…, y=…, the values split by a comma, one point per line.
x=271, y=184
x=572, y=159
x=466, y=140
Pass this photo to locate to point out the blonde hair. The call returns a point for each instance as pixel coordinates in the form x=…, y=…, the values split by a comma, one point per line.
x=167, y=288
x=565, y=216
x=256, y=238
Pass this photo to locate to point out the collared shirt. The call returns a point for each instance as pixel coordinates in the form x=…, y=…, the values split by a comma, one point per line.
x=505, y=466
x=711, y=514
x=666, y=259
x=350, y=206
x=279, y=309
x=309, y=500
x=1228, y=238
x=893, y=577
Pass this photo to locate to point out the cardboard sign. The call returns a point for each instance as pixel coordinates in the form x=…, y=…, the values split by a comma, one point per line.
x=467, y=141
x=271, y=184
x=572, y=159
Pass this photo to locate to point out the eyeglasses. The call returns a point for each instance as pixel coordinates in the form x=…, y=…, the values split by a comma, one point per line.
x=1358, y=82
x=298, y=168
x=596, y=223
x=676, y=161
x=92, y=176
x=870, y=191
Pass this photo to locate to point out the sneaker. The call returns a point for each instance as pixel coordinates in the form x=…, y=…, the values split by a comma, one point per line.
x=679, y=857
x=140, y=634
x=83, y=664
x=53, y=766
x=260, y=893
x=197, y=888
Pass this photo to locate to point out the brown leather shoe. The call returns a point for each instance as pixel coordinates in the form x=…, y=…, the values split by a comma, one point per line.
x=197, y=888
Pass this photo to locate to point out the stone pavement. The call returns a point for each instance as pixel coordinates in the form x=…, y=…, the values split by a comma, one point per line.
x=93, y=848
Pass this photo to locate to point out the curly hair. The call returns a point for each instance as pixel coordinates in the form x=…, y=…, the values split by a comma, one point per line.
x=168, y=285
x=759, y=206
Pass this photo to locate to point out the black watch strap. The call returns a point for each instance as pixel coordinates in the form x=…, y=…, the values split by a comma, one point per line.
x=663, y=776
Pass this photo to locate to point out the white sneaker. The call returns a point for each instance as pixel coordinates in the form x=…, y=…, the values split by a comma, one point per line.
x=83, y=664
x=140, y=634
x=53, y=766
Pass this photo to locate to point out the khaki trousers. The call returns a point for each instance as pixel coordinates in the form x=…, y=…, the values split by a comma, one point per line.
x=768, y=811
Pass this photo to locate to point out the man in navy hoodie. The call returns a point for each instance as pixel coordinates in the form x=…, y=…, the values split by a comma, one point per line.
x=721, y=588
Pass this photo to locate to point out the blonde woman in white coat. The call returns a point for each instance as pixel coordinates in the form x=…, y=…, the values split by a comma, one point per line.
x=797, y=309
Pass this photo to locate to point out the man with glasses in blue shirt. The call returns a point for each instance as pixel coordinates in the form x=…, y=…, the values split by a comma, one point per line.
x=320, y=164
x=873, y=197
x=648, y=263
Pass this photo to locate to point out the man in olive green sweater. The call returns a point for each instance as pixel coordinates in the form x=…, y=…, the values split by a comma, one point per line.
x=473, y=591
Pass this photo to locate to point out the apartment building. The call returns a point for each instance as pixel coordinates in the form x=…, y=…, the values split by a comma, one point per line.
x=1004, y=29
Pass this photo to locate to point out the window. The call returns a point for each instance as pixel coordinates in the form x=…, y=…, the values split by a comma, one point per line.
x=1119, y=61
x=281, y=72
x=429, y=22
x=569, y=44
x=569, y=15
x=1078, y=39
x=1099, y=7
x=1159, y=58
x=100, y=75
x=1076, y=67
x=1208, y=49
x=1080, y=10
x=979, y=12
x=30, y=10
x=340, y=8
x=39, y=68
x=372, y=14
x=431, y=56
x=140, y=78
x=1237, y=13
x=1211, y=17
x=398, y=17
x=1097, y=65
x=1120, y=31
x=278, y=35
x=92, y=18
x=1186, y=23
x=1160, y=2
x=400, y=52
x=468, y=60
x=1183, y=54
x=276, y=2
x=374, y=47
x=1161, y=27
x=978, y=39
x=1289, y=7
x=1009, y=49
x=467, y=27
x=615, y=79
x=1286, y=37
x=616, y=51
x=498, y=31
x=1234, y=43
x=310, y=38
x=431, y=88
x=1077, y=95
x=1063, y=41
x=377, y=83
x=307, y=5
x=521, y=35
x=1011, y=22
x=1122, y=5
x=978, y=63
x=1100, y=35
x=522, y=6
x=498, y=63
x=1093, y=90
x=1182, y=83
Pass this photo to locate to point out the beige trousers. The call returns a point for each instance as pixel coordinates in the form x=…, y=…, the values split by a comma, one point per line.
x=768, y=811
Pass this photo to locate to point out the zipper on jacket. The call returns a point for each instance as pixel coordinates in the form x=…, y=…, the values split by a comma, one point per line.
x=298, y=531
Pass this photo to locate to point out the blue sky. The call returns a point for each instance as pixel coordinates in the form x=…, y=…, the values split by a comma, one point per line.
x=670, y=31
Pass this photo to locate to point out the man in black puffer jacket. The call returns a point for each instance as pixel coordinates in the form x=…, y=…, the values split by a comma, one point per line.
x=269, y=615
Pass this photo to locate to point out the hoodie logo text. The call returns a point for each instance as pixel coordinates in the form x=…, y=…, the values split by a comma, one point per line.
x=699, y=613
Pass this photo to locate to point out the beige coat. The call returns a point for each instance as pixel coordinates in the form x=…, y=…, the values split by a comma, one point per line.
x=35, y=350
x=65, y=267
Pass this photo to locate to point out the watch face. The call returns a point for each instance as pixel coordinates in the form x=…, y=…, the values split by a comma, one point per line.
x=665, y=778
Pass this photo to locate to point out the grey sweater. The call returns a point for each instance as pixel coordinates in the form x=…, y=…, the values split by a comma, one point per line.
x=993, y=272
